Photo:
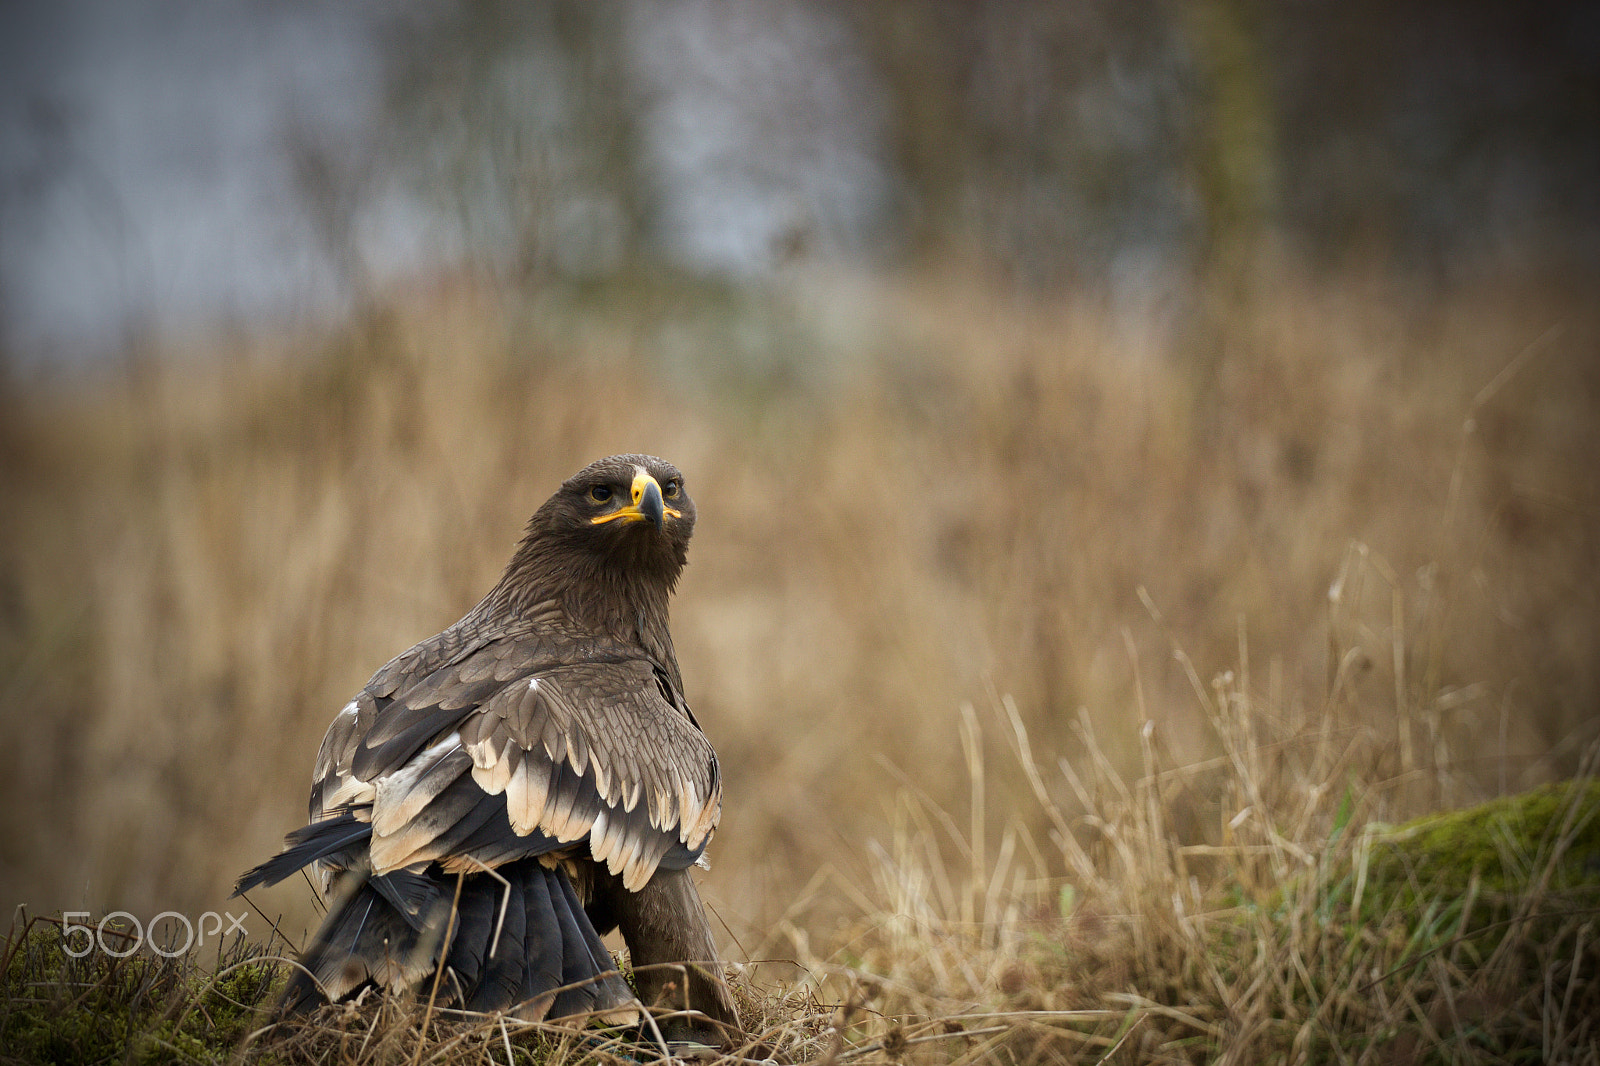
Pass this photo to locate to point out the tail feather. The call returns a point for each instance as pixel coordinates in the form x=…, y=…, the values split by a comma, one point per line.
x=586, y=962
x=503, y=964
x=306, y=845
x=509, y=947
x=578, y=967
x=469, y=944
x=366, y=938
x=416, y=896
x=541, y=948
x=545, y=943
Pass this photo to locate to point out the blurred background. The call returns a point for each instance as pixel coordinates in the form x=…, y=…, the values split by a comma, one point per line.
x=1032, y=364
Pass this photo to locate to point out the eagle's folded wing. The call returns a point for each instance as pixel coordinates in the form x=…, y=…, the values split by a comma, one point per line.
x=483, y=762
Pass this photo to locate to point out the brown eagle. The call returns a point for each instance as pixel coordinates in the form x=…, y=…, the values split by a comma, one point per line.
x=503, y=794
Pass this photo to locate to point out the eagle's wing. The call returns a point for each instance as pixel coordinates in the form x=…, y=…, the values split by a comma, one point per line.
x=492, y=757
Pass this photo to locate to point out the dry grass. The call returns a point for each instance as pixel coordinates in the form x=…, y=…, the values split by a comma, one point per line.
x=1309, y=934
x=947, y=535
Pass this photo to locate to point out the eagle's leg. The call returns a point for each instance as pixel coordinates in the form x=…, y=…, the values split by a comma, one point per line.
x=674, y=956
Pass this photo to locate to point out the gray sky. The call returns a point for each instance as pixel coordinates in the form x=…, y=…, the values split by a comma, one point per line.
x=141, y=162
x=145, y=176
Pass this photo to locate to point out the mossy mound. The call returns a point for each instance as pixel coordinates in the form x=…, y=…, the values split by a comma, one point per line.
x=1544, y=843
x=140, y=1008
x=1481, y=922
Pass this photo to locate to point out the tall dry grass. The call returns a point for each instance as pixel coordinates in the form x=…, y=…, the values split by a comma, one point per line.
x=1373, y=524
x=1308, y=933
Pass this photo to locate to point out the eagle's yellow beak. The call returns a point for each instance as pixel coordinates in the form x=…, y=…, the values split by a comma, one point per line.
x=647, y=505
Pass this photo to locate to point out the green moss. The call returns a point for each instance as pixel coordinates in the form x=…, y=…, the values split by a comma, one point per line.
x=1545, y=840
x=1435, y=940
x=144, y=1008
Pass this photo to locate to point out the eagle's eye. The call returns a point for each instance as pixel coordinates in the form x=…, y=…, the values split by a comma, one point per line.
x=600, y=493
x=670, y=489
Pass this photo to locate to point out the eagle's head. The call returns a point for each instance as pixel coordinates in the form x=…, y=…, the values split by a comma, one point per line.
x=618, y=527
x=631, y=509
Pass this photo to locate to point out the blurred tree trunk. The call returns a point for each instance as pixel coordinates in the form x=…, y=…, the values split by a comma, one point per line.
x=924, y=52
x=1237, y=171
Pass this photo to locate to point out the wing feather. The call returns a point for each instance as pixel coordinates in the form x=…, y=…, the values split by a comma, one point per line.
x=495, y=756
x=522, y=706
x=400, y=796
x=492, y=769
x=527, y=795
x=577, y=751
x=602, y=776
x=628, y=861
x=554, y=739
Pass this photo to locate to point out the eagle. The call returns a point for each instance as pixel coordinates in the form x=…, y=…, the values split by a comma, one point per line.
x=505, y=793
